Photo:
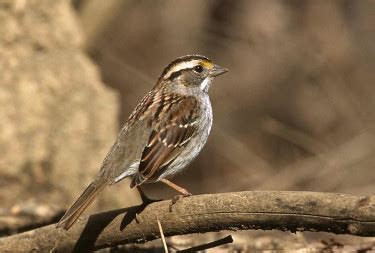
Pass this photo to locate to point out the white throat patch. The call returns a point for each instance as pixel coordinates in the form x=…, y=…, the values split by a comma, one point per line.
x=205, y=84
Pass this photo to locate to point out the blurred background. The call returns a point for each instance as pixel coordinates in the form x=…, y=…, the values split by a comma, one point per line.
x=295, y=111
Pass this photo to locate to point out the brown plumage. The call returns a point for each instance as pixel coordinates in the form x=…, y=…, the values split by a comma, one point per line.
x=169, y=135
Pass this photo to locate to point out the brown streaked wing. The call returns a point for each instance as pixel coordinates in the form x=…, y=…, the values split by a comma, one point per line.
x=170, y=134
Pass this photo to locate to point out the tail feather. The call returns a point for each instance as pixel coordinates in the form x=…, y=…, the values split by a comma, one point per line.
x=73, y=213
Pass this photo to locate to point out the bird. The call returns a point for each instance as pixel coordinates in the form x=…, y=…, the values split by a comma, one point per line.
x=164, y=133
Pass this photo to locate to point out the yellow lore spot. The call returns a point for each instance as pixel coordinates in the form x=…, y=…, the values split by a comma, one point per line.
x=207, y=64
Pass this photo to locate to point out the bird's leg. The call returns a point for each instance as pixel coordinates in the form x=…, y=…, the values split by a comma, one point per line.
x=183, y=191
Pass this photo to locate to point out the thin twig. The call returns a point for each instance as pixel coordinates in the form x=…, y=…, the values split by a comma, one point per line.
x=210, y=245
x=162, y=236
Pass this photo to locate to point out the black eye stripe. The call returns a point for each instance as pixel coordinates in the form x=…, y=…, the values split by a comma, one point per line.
x=177, y=73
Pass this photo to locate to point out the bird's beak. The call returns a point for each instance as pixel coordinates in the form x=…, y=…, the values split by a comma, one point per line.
x=217, y=70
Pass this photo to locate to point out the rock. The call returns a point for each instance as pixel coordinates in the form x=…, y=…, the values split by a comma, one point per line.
x=57, y=118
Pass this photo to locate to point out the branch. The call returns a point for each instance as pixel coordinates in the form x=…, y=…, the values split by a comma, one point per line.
x=293, y=211
x=210, y=245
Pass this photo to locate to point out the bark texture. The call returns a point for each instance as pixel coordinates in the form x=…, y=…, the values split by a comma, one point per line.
x=287, y=211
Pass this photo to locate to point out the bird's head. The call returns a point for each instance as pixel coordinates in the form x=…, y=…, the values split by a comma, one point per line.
x=192, y=72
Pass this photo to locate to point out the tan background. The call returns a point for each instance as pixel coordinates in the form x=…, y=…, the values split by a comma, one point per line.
x=295, y=112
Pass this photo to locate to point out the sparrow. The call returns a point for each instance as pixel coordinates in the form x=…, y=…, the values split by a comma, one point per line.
x=165, y=132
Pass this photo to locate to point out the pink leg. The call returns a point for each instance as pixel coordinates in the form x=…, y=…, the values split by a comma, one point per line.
x=181, y=190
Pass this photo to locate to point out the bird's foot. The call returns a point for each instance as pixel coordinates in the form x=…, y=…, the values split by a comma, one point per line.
x=177, y=198
x=137, y=219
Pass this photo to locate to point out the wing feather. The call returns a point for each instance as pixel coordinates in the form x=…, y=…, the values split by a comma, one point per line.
x=170, y=134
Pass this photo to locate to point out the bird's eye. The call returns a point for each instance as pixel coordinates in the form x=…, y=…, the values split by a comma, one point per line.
x=198, y=69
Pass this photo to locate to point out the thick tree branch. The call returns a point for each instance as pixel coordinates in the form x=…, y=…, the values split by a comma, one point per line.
x=288, y=211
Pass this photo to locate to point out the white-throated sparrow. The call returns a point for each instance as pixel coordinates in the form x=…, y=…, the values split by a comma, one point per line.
x=165, y=132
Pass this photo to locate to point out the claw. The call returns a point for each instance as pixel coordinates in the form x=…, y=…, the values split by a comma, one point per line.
x=137, y=218
x=177, y=198
x=185, y=193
